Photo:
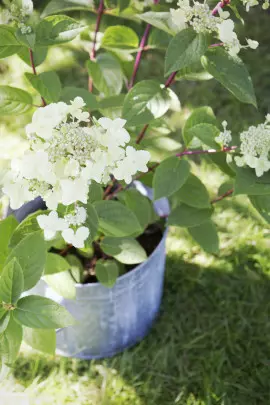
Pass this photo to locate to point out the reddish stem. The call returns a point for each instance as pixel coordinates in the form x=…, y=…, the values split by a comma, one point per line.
x=220, y=4
x=92, y=54
x=31, y=54
x=207, y=151
x=139, y=55
x=227, y=194
x=170, y=80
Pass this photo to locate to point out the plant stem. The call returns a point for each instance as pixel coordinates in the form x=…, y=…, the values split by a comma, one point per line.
x=220, y=4
x=207, y=151
x=31, y=54
x=170, y=79
x=139, y=55
x=221, y=197
x=92, y=54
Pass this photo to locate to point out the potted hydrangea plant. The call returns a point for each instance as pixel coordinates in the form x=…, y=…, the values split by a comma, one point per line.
x=90, y=265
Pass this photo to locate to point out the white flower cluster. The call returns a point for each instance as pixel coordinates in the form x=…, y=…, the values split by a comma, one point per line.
x=255, y=148
x=200, y=17
x=65, y=155
x=224, y=137
x=19, y=11
x=252, y=3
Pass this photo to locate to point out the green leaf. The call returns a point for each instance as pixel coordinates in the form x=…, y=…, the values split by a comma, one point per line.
x=206, y=133
x=47, y=84
x=146, y=101
x=231, y=72
x=27, y=39
x=246, y=182
x=14, y=101
x=27, y=226
x=76, y=266
x=43, y=340
x=184, y=50
x=39, y=55
x=7, y=227
x=11, y=283
x=194, y=72
x=69, y=93
x=112, y=102
x=58, y=6
x=138, y=204
x=193, y=193
x=31, y=255
x=10, y=342
x=115, y=219
x=206, y=236
x=120, y=37
x=158, y=39
x=107, y=272
x=125, y=250
x=9, y=44
x=161, y=20
x=62, y=283
x=220, y=160
x=170, y=176
x=106, y=74
x=185, y=216
x=95, y=192
x=123, y=4
x=4, y=319
x=55, y=264
x=57, y=29
x=201, y=115
x=262, y=204
x=38, y=312
x=91, y=221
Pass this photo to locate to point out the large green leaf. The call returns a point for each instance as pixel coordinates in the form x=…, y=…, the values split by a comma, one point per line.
x=95, y=192
x=9, y=44
x=125, y=250
x=120, y=37
x=170, y=176
x=10, y=342
x=194, y=72
x=138, y=204
x=62, y=283
x=47, y=84
x=231, y=72
x=38, y=312
x=184, y=50
x=7, y=227
x=206, y=236
x=91, y=221
x=11, y=282
x=246, y=182
x=199, y=116
x=146, y=101
x=185, y=216
x=193, y=193
x=31, y=255
x=106, y=74
x=161, y=20
x=14, y=101
x=58, y=6
x=123, y=4
x=43, y=340
x=55, y=264
x=69, y=93
x=115, y=219
x=57, y=29
x=27, y=226
x=107, y=272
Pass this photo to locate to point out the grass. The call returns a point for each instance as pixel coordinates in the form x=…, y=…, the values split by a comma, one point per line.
x=211, y=342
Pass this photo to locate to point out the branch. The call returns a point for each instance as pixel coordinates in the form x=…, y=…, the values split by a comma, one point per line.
x=207, y=151
x=92, y=53
x=220, y=4
x=227, y=194
x=35, y=72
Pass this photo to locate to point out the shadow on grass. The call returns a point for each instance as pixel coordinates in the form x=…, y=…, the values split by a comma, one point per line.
x=211, y=341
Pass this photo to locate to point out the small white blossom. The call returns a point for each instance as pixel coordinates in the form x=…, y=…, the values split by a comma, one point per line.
x=133, y=162
x=224, y=137
x=76, y=238
x=74, y=190
x=255, y=148
x=27, y=7
x=252, y=44
x=78, y=218
x=51, y=224
x=75, y=110
x=250, y=3
x=17, y=192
